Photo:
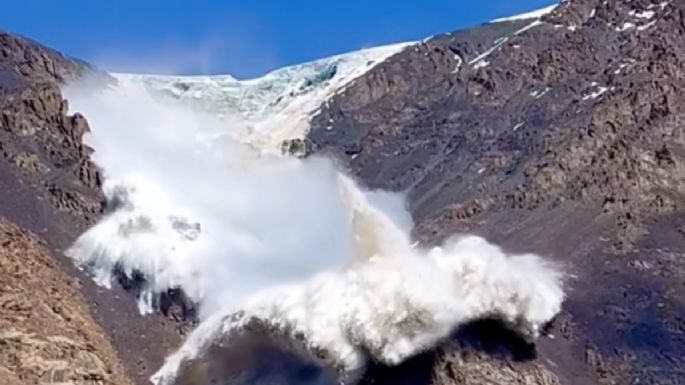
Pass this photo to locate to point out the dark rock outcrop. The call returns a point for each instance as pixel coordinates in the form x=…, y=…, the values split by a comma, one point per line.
x=563, y=137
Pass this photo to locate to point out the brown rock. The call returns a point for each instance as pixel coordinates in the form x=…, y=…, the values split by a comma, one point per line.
x=46, y=332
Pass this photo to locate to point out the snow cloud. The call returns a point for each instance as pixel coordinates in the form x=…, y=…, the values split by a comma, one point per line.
x=283, y=256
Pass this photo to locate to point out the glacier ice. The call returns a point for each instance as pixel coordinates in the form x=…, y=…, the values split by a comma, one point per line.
x=272, y=108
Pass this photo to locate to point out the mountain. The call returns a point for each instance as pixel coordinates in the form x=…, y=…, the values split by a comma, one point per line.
x=558, y=132
x=563, y=135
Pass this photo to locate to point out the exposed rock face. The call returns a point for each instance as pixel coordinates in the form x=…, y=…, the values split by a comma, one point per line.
x=24, y=60
x=563, y=137
x=37, y=135
x=47, y=334
x=49, y=187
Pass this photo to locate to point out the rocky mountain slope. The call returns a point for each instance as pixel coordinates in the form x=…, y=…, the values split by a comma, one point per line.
x=57, y=325
x=48, y=335
x=561, y=135
x=49, y=186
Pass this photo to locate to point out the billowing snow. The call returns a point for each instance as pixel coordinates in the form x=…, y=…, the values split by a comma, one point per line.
x=528, y=15
x=292, y=245
x=287, y=96
x=460, y=62
x=272, y=247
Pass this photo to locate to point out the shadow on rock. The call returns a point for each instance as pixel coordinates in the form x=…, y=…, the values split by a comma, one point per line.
x=493, y=337
x=490, y=336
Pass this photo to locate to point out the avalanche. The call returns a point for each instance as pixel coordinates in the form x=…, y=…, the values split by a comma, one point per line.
x=285, y=257
x=274, y=107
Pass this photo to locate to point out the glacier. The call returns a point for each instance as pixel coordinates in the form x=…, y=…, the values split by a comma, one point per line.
x=285, y=257
x=272, y=108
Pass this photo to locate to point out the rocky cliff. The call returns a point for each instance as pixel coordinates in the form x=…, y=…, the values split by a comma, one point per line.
x=57, y=326
x=48, y=185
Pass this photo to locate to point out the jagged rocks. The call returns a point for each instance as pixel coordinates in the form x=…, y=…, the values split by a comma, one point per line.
x=49, y=186
x=37, y=134
x=298, y=147
x=47, y=335
x=32, y=61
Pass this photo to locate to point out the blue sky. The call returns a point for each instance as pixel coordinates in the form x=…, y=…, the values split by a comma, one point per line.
x=243, y=38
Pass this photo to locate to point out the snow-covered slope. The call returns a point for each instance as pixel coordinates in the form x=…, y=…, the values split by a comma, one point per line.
x=267, y=110
x=528, y=15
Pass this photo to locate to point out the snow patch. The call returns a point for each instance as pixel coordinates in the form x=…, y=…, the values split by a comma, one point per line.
x=481, y=64
x=497, y=44
x=538, y=94
x=661, y=5
x=626, y=26
x=646, y=26
x=527, y=27
x=642, y=14
x=620, y=68
x=595, y=94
